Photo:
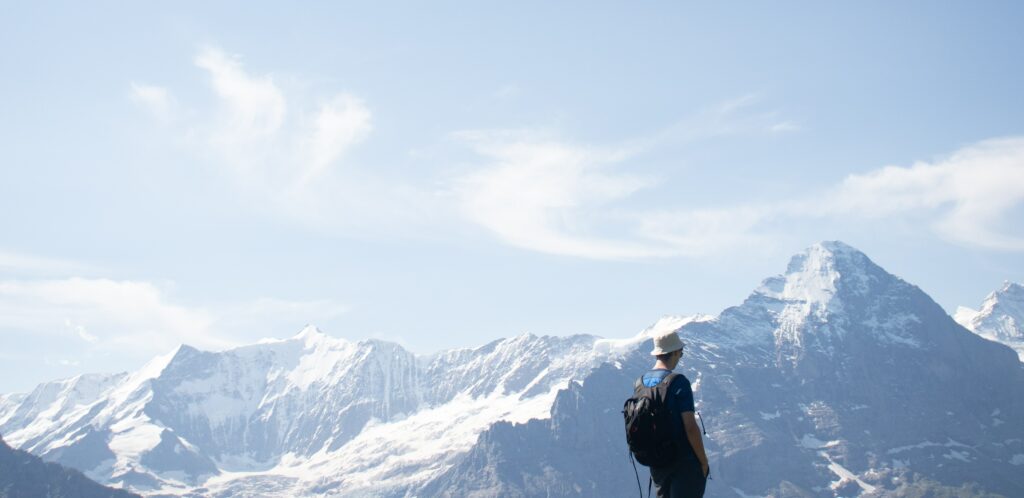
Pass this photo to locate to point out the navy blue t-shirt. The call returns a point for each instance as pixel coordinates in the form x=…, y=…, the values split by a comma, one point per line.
x=680, y=400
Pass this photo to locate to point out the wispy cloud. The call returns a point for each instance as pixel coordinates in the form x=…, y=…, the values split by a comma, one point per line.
x=276, y=317
x=339, y=125
x=135, y=316
x=784, y=127
x=27, y=264
x=62, y=362
x=549, y=195
x=698, y=232
x=543, y=193
x=103, y=324
x=155, y=99
x=253, y=106
x=742, y=115
x=967, y=195
x=280, y=154
x=559, y=198
x=537, y=194
x=271, y=152
x=80, y=331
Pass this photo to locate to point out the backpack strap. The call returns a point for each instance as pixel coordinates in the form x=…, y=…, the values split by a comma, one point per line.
x=666, y=385
x=671, y=377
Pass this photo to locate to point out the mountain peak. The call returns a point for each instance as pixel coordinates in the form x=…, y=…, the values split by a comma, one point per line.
x=184, y=350
x=1009, y=291
x=816, y=274
x=310, y=334
x=835, y=247
x=1001, y=317
x=309, y=331
x=828, y=257
x=1009, y=299
x=823, y=288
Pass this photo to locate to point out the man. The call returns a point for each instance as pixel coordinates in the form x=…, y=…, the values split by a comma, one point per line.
x=687, y=475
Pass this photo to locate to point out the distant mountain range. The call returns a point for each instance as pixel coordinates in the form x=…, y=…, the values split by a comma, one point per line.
x=835, y=378
x=280, y=417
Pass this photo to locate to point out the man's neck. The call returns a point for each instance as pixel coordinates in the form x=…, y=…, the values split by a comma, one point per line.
x=661, y=366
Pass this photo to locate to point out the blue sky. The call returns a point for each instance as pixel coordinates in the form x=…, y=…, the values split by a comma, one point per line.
x=442, y=174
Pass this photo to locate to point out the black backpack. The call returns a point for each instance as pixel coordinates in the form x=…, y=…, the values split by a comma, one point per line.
x=649, y=424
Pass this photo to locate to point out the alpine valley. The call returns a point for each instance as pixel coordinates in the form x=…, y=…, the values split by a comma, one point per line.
x=835, y=378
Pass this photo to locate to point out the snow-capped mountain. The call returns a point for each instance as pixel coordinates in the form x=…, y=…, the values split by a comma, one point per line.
x=290, y=417
x=1001, y=317
x=835, y=378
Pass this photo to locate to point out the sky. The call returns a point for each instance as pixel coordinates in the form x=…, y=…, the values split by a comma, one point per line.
x=443, y=174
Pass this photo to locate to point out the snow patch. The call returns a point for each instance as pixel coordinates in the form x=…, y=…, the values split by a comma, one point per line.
x=845, y=475
x=131, y=438
x=322, y=359
x=927, y=444
x=963, y=456
x=964, y=316
x=429, y=441
x=811, y=442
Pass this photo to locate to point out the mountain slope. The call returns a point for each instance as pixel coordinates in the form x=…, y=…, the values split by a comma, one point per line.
x=833, y=379
x=25, y=475
x=277, y=416
x=1001, y=317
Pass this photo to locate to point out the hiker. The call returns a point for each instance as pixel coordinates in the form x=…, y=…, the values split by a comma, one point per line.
x=679, y=466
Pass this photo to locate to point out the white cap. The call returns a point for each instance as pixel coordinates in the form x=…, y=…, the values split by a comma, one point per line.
x=666, y=343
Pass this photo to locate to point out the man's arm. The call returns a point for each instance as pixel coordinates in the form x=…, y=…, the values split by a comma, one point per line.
x=693, y=436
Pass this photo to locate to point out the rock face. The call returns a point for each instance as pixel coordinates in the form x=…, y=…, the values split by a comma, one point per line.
x=832, y=379
x=1001, y=317
x=23, y=475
